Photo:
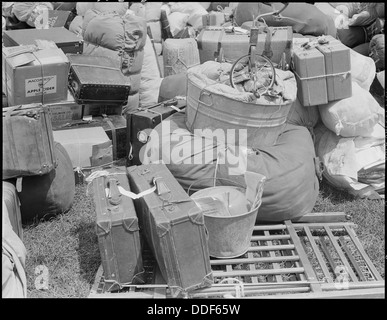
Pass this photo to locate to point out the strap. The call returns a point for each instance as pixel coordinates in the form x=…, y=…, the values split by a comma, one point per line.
x=135, y=196
x=93, y=66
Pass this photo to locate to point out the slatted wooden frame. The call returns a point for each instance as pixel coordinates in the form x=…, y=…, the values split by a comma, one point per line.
x=289, y=260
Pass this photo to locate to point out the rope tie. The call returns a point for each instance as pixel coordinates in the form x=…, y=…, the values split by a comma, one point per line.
x=239, y=286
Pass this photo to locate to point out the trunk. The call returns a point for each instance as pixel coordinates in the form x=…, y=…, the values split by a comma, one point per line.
x=97, y=80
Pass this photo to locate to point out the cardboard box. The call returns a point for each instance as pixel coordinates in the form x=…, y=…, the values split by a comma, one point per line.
x=337, y=68
x=87, y=147
x=26, y=71
x=309, y=70
x=98, y=110
x=64, y=111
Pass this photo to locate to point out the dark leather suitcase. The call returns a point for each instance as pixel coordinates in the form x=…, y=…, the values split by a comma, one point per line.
x=11, y=200
x=173, y=226
x=94, y=79
x=117, y=229
x=114, y=126
x=141, y=121
x=28, y=142
x=63, y=38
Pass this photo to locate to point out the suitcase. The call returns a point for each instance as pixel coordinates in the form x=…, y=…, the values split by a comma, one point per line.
x=28, y=143
x=173, y=226
x=117, y=229
x=141, y=121
x=235, y=45
x=63, y=38
x=98, y=80
x=212, y=39
x=114, y=126
x=11, y=200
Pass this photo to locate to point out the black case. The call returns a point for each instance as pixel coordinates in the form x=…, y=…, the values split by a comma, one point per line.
x=142, y=120
x=94, y=79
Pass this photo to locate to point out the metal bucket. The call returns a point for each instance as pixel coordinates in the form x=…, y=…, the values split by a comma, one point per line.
x=208, y=110
x=229, y=236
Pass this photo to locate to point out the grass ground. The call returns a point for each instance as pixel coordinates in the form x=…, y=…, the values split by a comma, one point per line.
x=68, y=245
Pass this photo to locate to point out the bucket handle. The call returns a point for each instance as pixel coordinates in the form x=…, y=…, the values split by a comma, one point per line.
x=202, y=91
x=224, y=179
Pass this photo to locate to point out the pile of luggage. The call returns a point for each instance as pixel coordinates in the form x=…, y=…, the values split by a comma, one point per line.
x=88, y=85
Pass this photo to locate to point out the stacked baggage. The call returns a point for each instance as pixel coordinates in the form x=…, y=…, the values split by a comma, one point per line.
x=90, y=106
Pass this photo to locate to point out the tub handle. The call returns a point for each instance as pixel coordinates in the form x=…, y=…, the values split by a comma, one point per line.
x=209, y=94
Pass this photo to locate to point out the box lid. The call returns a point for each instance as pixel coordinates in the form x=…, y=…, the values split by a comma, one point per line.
x=28, y=36
x=28, y=55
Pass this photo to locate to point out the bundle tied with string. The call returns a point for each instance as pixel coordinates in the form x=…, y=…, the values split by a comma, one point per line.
x=253, y=121
x=323, y=71
x=35, y=73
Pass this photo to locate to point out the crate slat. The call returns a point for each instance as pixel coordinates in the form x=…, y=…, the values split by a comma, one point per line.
x=375, y=293
x=254, y=260
x=318, y=255
x=309, y=272
x=253, y=293
x=327, y=255
x=252, y=267
x=269, y=227
x=269, y=237
x=352, y=259
x=321, y=225
x=272, y=248
x=278, y=278
x=341, y=254
x=241, y=273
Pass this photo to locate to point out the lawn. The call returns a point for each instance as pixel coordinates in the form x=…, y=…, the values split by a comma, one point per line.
x=68, y=245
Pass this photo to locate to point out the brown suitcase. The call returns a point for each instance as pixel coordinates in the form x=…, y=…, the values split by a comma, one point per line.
x=173, y=226
x=12, y=202
x=98, y=80
x=28, y=143
x=117, y=230
x=63, y=38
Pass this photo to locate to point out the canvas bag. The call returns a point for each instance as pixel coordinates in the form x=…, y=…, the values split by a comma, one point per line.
x=14, y=281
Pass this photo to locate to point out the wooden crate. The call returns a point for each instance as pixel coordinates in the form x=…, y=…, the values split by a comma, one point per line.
x=307, y=258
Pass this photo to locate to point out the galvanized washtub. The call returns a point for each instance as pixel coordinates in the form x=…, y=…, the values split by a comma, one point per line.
x=214, y=107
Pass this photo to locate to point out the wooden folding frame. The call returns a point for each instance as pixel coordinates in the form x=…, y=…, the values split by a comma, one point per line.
x=306, y=258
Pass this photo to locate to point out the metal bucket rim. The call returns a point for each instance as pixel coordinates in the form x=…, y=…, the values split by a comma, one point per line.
x=252, y=211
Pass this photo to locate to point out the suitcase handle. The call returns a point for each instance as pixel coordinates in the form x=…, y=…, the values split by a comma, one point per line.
x=114, y=193
x=161, y=187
